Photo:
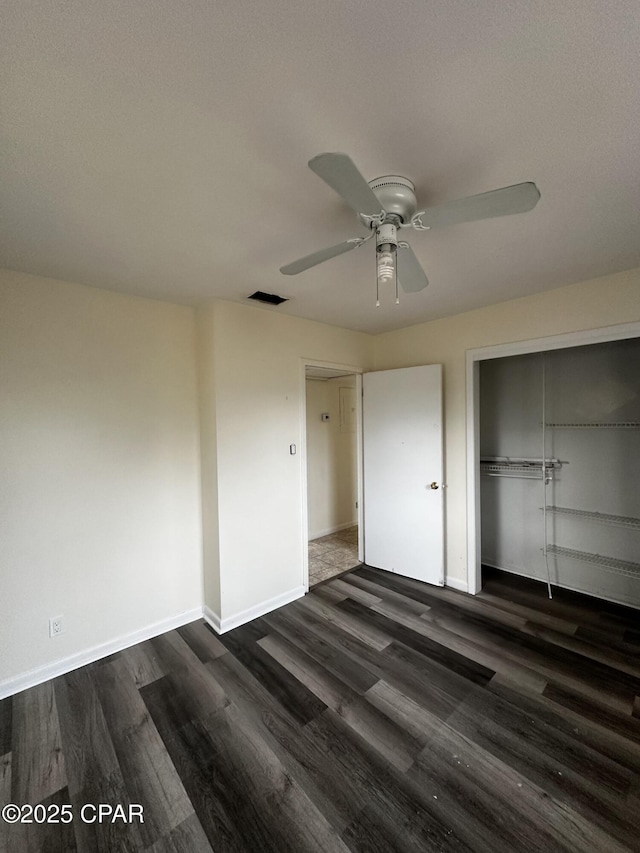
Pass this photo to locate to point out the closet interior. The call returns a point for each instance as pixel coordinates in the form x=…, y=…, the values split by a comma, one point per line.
x=560, y=467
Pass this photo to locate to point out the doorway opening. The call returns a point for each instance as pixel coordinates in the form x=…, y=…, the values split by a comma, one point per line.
x=332, y=468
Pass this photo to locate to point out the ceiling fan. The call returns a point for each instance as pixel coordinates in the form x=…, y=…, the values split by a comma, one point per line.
x=388, y=204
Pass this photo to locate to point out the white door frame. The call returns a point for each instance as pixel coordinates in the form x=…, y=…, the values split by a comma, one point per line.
x=343, y=368
x=474, y=357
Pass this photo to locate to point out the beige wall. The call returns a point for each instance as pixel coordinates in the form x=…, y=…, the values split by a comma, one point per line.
x=593, y=304
x=99, y=463
x=256, y=365
x=332, y=482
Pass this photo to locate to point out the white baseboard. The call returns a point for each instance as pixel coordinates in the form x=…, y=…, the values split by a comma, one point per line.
x=221, y=626
x=456, y=583
x=32, y=677
x=212, y=618
x=331, y=530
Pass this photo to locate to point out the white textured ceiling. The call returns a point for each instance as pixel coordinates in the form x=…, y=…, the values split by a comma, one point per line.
x=159, y=147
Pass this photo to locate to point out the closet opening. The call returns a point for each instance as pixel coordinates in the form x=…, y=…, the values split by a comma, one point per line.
x=557, y=467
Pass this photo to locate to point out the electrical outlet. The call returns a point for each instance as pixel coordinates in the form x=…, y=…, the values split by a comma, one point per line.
x=55, y=626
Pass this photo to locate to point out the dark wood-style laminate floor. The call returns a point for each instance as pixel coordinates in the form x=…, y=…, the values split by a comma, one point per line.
x=375, y=714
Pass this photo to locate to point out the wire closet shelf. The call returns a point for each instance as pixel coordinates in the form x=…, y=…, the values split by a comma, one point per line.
x=527, y=468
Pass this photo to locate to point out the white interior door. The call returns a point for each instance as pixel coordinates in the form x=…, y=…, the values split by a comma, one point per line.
x=403, y=465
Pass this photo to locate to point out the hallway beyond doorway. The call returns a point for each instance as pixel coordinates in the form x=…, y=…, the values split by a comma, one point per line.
x=331, y=555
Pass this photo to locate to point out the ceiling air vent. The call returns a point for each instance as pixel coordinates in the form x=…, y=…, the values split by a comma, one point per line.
x=268, y=298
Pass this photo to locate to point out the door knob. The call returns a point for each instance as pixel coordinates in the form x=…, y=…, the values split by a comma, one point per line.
x=434, y=485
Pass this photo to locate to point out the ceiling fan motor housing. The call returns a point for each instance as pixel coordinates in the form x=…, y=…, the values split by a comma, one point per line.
x=386, y=237
x=396, y=196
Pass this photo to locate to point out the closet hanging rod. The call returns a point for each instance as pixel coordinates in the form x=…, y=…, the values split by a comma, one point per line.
x=523, y=467
x=515, y=475
x=519, y=460
x=602, y=425
x=526, y=472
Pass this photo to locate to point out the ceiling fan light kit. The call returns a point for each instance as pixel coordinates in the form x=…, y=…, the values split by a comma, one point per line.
x=388, y=204
x=386, y=256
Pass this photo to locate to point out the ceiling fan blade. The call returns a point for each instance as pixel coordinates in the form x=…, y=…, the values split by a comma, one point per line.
x=411, y=276
x=342, y=175
x=503, y=202
x=315, y=258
